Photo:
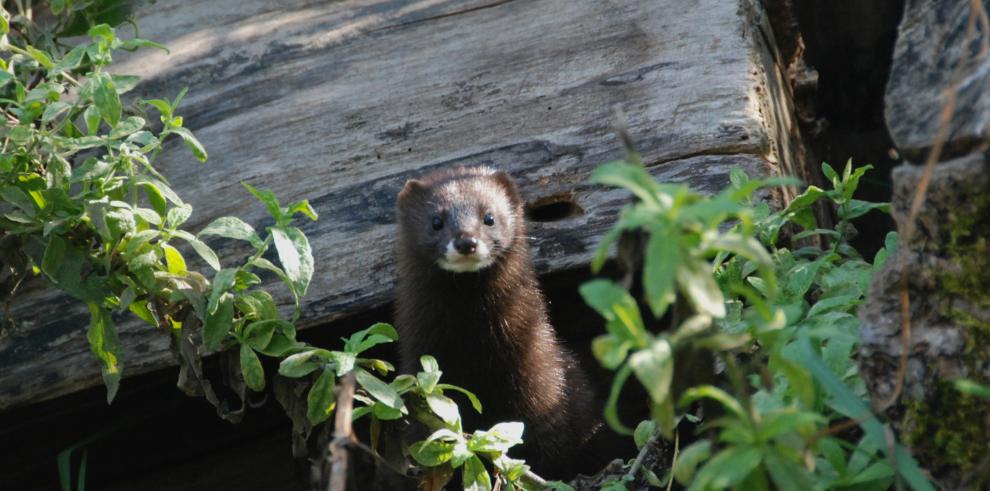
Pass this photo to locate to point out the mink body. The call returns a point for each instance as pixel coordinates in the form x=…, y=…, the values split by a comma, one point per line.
x=480, y=312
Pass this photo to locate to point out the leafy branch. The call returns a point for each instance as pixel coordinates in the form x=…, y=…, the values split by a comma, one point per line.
x=781, y=323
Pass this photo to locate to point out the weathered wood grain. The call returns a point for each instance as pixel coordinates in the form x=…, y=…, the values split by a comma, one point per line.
x=340, y=102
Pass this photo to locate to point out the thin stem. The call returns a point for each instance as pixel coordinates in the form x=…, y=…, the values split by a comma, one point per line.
x=738, y=382
x=673, y=462
x=342, y=434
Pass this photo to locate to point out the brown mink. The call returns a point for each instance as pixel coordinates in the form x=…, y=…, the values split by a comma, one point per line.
x=468, y=296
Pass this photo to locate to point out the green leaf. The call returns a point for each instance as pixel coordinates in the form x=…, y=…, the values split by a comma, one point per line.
x=378, y=389
x=92, y=117
x=799, y=210
x=163, y=107
x=611, y=405
x=716, y=394
x=254, y=375
x=786, y=420
x=302, y=364
x=728, y=468
x=222, y=283
x=689, y=459
x=320, y=401
x=177, y=216
x=435, y=449
x=344, y=361
x=878, y=471
x=219, y=322
x=857, y=208
x=696, y=280
x=281, y=346
x=265, y=264
x=618, y=308
x=610, y=351
x=105, y=344
x=232, y=228
x=840, y=302
x=654, y=367
x=428, y=380
x=512, y=469
x=106, y=99
x=304, y=208
x=475, y=476
x=164, y=189
x=475, y=402
x=742, y=246
x=155, y=198
x=148, y=216
x=127, y=127
x=847, y=403
x=829, y=172
x=124, y=83
x=644, y=430
x=259, y=333
x=133, y=44
x=201, y=248
x=295, y=255
x=365, y=339
x=498, y=439
x=41, y=57
x=801, y=277
x=785, y=472
x=102, y=32
x=173, y=259
x=268, y=198
x=445, y=408
x=663, y=255
x=51, y=264
x=630, y=176
x=799, y=380
x=968, y=386
x=850, y=180
x=197, y=148
x=53, y=111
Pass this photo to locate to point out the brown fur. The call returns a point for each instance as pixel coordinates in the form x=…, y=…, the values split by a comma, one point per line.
x=489, y=329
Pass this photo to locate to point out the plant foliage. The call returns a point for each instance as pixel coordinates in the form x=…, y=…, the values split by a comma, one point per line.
x=781, y=322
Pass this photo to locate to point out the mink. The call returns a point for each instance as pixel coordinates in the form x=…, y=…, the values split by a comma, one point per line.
x=468, y=295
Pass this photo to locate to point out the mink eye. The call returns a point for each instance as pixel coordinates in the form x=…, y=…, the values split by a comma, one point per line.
x=437, y=223
x=489, y=219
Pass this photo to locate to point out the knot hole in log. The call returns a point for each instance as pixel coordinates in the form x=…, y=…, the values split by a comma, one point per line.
x=553, y=208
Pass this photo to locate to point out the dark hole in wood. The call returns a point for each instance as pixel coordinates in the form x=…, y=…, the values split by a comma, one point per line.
x=553, y=208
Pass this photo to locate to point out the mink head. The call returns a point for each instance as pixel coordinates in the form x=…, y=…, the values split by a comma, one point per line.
x=461, y=220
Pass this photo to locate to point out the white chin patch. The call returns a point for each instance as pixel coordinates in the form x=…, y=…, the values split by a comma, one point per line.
x=466, y=263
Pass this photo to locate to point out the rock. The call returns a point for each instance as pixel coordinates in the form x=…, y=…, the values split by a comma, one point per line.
x=946, y=266
x=935, y=50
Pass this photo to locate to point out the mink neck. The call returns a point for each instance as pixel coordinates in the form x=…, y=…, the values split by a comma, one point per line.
x=494, y=304
x=487, y=293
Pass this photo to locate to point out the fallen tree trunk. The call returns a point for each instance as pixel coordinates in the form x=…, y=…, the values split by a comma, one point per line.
x=342, y=102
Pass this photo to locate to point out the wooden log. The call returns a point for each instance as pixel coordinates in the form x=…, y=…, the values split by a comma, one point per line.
x=341, y=102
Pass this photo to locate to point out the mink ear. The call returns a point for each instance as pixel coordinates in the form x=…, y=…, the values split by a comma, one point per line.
x=505, y=180
x=412, y=188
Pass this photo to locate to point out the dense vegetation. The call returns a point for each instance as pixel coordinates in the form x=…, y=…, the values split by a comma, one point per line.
x=83, y=206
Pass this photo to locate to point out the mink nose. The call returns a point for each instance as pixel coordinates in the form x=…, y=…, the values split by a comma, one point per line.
x=466, y=245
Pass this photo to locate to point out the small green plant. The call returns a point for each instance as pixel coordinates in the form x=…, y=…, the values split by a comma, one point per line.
x=781, y=323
